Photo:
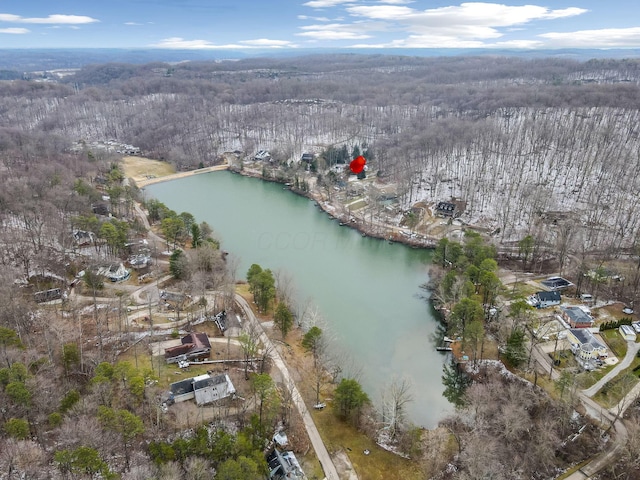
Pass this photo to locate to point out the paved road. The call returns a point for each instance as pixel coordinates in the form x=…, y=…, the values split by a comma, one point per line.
x=318, y=445
x=599, y=414
x=632, y=350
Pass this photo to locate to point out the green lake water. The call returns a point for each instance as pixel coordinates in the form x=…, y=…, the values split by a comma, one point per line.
x=367, y=290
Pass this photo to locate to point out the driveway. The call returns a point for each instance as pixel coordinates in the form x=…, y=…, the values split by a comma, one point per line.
x=328, y=466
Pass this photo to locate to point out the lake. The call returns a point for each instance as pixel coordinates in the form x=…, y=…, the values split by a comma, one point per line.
x=367, y=290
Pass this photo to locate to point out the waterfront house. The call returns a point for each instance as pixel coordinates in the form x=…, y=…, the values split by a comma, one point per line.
x=446, y=209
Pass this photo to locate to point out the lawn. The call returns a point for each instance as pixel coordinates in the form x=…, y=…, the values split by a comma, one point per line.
x=613, y=391
x=615, y=342
x=379, y=464
x=141, y=168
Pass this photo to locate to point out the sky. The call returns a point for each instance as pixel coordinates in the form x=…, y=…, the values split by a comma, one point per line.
x=247, y=25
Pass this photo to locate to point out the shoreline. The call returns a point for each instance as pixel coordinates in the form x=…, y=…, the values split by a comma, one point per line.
x=174, y=176
x=391, y=234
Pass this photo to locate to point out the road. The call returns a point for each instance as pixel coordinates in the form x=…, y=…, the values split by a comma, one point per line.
x=632, y=350
x=330, y=471
x=598, y=413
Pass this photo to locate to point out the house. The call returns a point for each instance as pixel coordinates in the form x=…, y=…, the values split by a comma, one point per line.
x=204, y=388
x=115, y=272
x=546, y=299
x=194, y=345
x=447, y=209
x=81, y=237
x=284, y=465
x=181, y=391
x=100, y=208
x=627, y=332
x=220, y=319
x=308, y=157
x=48, y=295
x=208, y=389
x=262, y=156
x=140, y=261
x=585, y=345
x=556, y=283
x=174, y=299
x=576, y=317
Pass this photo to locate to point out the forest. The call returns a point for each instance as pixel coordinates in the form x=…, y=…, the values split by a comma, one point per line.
x=543, y=148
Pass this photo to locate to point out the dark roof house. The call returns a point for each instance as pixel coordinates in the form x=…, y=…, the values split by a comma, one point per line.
x=446, y=209
x=194, y=345
x=284, y=465
x=547, y=299
x=576, y=317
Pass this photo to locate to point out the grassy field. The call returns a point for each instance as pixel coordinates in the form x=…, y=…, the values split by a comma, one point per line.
x=141, y=168
x=615, y=342
x=611, y=394
x=379, y=464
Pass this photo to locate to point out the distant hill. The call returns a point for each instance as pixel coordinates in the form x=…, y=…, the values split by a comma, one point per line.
x=29, y=60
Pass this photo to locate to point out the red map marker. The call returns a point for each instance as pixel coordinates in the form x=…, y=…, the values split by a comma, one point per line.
x=357, y=165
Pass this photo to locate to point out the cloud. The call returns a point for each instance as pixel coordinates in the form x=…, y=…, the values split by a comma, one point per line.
x=326, y=3
x=468, y=25
x=133, y=23
x=334, y=31
x=14, y=30
x=178, y=43
x=602, y=38
x=57, y=19
x=265, y=42
x=315, y=19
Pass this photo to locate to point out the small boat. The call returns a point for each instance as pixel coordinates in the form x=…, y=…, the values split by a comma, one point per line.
x=341, y=224
x=364, y=234
x=444, y=349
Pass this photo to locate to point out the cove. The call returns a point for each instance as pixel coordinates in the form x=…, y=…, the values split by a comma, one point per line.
x=367, y=290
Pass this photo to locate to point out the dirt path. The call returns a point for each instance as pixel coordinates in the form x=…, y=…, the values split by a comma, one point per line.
x=150, y=181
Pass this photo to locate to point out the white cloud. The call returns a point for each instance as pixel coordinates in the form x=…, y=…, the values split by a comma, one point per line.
x=178, y=43
x=326, y=3
x=265, y=42
x=133, y=23
x=602, y=38
x=315, y=19
x=14, y=30
x=334, y=31
x=51, y=19
x=481, y=14
x=468, y=25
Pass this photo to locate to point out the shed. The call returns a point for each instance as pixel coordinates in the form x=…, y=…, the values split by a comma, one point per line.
x=627, y=332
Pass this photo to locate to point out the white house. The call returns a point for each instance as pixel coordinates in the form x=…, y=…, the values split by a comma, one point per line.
x=585, y=345
x=204, y=388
